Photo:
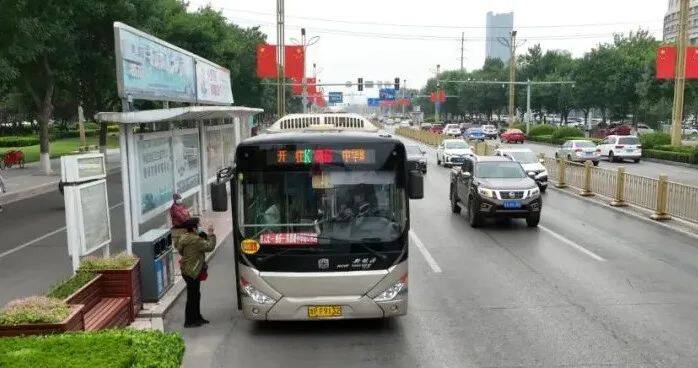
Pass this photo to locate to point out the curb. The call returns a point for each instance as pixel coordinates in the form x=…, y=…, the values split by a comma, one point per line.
x=167, y=301
x=670, y=163
x=676, y=225
x=40, y=189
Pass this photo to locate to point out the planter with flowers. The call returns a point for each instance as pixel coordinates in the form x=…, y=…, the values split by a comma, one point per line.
x=40, y=315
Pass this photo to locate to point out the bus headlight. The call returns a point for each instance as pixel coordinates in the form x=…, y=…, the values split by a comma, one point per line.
x=256, y=295
x=390, y=293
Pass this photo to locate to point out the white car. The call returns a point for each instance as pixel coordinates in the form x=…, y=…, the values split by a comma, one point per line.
x=530, y=163
x=644, y=129
x=619, y=147
x=404, y=124
x=579, y=150
x=452, y=130
x=452, y=152
x=490, y=131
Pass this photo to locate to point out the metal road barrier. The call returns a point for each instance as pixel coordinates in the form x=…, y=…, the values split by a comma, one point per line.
x=665, y=198
x=435, y=139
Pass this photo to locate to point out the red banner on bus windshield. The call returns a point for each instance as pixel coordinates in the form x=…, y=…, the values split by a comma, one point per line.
x=288, y=239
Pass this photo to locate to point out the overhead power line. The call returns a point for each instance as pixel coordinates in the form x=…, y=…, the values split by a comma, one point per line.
x=320, y=19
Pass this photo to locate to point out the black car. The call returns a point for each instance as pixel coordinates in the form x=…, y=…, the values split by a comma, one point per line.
x=493, y=186
x=416, y=157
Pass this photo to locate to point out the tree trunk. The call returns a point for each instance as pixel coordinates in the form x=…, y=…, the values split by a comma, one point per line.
x=45, y=107
x=103, y=138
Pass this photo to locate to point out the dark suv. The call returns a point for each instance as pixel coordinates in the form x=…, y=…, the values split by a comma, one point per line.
x=492, y=186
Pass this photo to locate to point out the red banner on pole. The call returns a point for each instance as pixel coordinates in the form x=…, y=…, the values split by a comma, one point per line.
x=442, y=96
x=297, y=86
x=691, y=62
x=312, y=90
x=266, y=61
x=294, y=60
x=666, y=62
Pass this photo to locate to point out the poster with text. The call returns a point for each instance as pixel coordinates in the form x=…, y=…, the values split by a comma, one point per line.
x=155, y=173
x=186, y=159
x=213, y=84
x=95, y=216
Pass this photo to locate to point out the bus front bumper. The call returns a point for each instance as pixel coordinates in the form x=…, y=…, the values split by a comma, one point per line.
x=297, y=308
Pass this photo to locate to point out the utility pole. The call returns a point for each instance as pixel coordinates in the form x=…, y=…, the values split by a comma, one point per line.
x=404, y=85
x=280, y=51
x=512, y=76
x=436, y=103
x=462, y=41
x=305, y=82
x=680, y=78
x=528, y=105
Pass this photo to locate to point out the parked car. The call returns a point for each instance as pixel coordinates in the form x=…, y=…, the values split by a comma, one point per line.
x=644, y=129
x=475, y=134
x=622, y=129
x=426, y=126
x=404, y=124
x=530, y=163
x=490, y=131
x=437, y=128
x=452, y=151
x=416, y=157
x=452, y=130
x=579, y=150
x=619, y=147
x=512, y=136
x=491, y=186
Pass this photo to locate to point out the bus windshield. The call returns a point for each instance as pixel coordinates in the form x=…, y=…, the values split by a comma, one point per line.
x=290, y=206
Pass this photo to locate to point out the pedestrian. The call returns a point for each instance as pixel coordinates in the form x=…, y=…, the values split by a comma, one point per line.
x=193, y=247
x=3, y=187
x=179, y=214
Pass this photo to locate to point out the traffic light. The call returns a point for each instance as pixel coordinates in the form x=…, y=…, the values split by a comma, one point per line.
x=360, y=84
x=397, y=84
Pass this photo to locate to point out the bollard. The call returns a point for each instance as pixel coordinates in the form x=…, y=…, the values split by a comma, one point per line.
x=586, y=186
x=661, y=212
x=561, y=183
x=619, y=196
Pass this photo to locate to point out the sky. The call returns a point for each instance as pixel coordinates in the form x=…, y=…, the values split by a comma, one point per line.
x=381, y=40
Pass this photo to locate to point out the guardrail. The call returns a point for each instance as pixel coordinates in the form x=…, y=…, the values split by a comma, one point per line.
x=665, y=198
x=435, y=139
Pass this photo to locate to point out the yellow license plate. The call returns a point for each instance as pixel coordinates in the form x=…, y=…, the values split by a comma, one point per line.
x=324, y=311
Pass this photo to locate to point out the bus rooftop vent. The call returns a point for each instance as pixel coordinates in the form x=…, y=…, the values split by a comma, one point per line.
x=322, y=122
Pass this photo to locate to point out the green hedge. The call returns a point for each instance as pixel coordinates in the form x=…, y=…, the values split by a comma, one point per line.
x=19, y=141
x=104, y=349
x=566, y=131
x=72, y=134
x=651, y=140
x=71, y=285
x=670, y=155
x=557, y=141
x=541, y=129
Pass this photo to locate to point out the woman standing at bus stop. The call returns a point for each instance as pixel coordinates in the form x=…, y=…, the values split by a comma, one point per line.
x=193, y=247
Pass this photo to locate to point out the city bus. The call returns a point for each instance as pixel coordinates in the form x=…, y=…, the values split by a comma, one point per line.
x=321, y=220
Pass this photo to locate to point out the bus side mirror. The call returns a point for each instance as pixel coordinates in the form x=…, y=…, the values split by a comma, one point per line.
x=415, y=185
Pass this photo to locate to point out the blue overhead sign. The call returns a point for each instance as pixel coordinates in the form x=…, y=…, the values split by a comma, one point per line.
x=386, y=94
x=335, y=97
x=374, y=102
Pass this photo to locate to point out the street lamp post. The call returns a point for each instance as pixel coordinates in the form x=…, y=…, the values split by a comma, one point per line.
x=304, y=82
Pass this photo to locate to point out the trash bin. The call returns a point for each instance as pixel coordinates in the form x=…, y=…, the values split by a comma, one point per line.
x=155, y=250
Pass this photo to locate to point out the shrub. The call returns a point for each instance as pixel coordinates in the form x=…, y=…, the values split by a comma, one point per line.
x=567, y=131
x=18, y=141
x=71, y=285
x=683, y=149
x=121, y=261
x=35, y=309
x=104, y=349
x=541, y=129
x=546, y=138
x=651, y=140
x=669, y=155
x=112, y=129
x=520, y=126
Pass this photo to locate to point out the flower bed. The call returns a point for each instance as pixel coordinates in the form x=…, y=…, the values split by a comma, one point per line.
x=40, y=315
x=120, y=278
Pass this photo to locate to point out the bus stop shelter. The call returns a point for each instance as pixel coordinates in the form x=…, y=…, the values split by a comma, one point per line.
x=175, y=150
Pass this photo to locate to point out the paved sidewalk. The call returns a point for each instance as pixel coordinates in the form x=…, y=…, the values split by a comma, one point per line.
x=31, y=181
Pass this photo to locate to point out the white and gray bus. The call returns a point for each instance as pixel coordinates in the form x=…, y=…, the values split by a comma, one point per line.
x=321, y=220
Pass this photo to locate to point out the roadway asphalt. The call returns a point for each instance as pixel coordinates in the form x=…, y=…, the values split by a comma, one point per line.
x=679, y=174
x=589, y=287
x=33, y=248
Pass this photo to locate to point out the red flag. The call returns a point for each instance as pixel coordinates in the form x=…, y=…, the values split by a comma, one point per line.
x=691, y=62
x=432, y=96
x=297, y=86
x=266, y=61
x=442, y=96
x=293, y=62
x=666, y=62
x=312, y=88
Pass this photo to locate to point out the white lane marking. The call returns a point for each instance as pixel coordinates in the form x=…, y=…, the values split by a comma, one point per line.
x=42, y=237
x=425, y=252
x=572, y=244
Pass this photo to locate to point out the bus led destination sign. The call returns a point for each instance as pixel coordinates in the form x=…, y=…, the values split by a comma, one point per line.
x=325, y=156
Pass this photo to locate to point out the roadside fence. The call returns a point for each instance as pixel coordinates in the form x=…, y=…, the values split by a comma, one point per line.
x=435, y=139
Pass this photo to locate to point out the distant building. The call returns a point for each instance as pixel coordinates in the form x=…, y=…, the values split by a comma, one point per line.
x=671, y=21
x=498, y=25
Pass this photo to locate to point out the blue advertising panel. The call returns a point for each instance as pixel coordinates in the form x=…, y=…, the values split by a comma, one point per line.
x=335, y=97
x=373, y=102
x=386, y=93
